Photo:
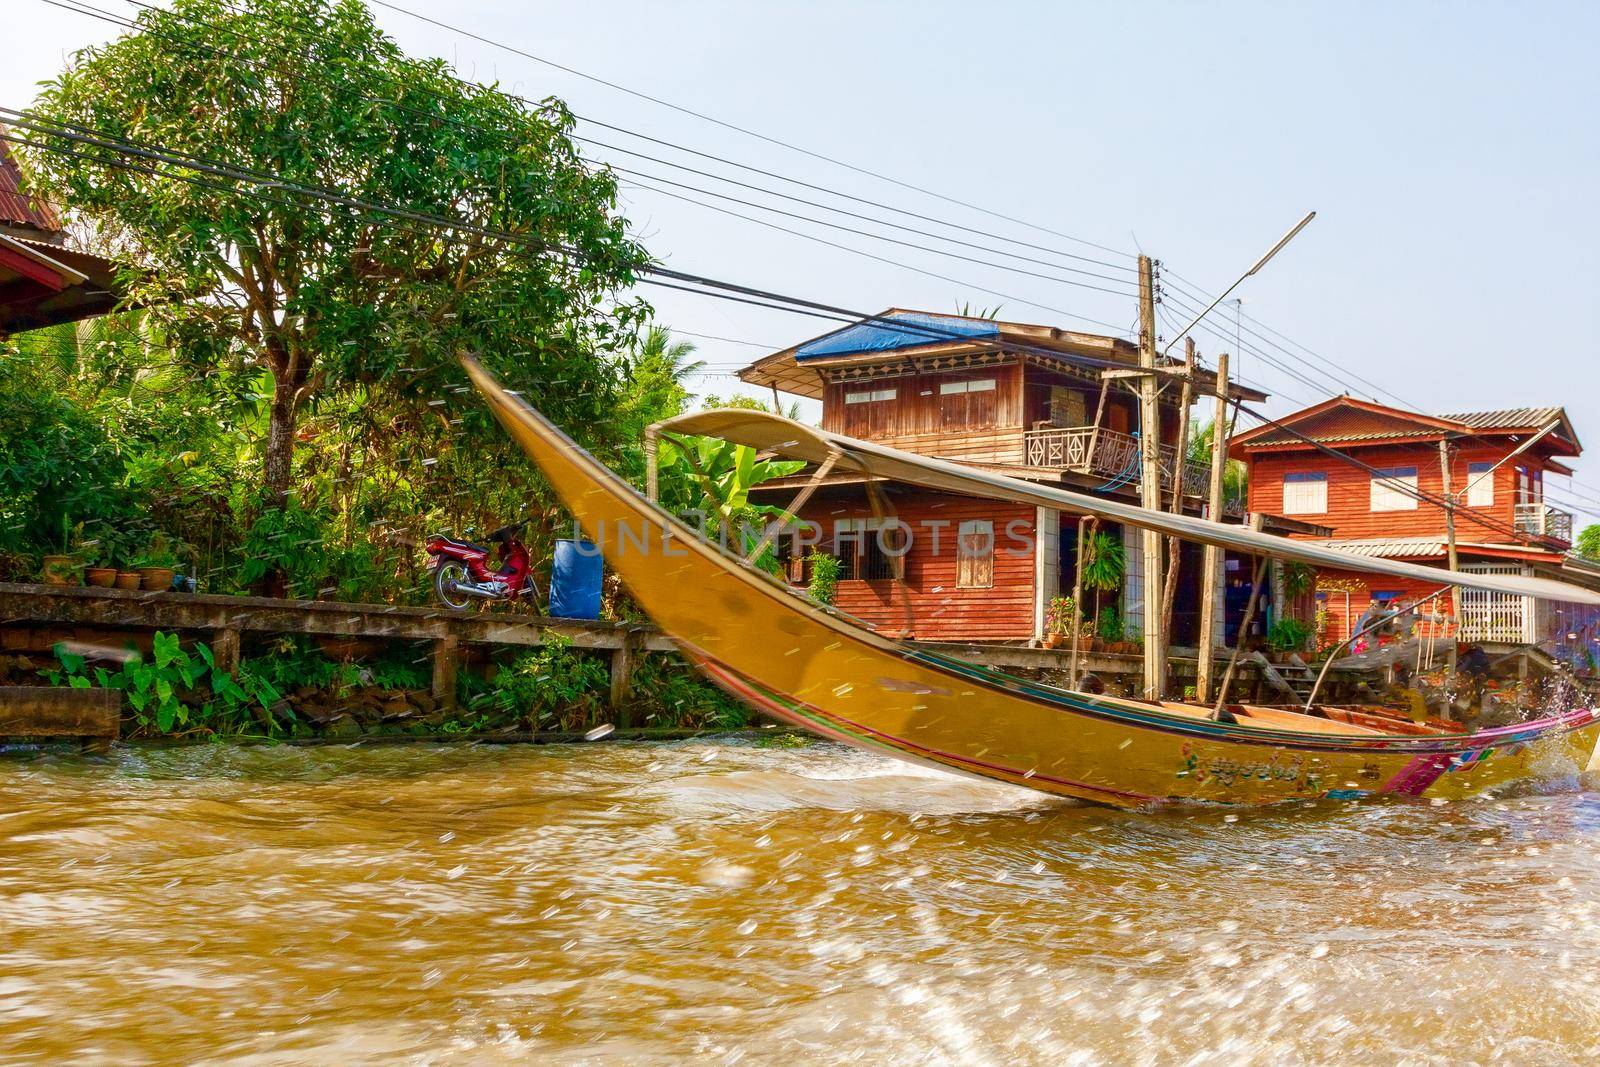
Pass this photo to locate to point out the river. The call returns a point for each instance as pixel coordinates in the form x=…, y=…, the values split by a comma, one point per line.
x=730, y=902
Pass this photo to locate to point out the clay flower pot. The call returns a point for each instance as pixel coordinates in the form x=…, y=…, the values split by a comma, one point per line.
x=156, y=579
x=58, y=570
x=128, y=579
x=104, y=577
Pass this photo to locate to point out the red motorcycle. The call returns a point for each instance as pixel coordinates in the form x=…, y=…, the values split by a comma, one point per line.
x=461, y=573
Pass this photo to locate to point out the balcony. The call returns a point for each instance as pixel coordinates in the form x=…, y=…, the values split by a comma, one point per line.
x=1113, y=456
x=1541, y=521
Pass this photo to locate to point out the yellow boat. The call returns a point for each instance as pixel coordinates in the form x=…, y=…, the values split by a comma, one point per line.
x=796, y=660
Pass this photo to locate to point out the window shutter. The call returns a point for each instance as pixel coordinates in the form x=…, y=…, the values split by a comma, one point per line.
x=975, y=555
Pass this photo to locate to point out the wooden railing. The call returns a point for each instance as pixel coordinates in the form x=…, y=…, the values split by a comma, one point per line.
x=1111, y=455
x=1542, y=520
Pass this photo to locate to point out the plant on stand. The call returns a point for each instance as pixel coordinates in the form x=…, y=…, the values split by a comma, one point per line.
x=1103, y=566
x=65, y=567
x=1061, y=621
x=157, y=564
x=824, y=578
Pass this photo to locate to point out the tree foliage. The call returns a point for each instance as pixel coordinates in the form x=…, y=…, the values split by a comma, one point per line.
x=1588, y=543
x=340, y=301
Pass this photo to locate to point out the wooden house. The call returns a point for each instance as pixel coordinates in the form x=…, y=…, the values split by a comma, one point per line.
x=1029, y=401
x=1494, y=464
x=43, y=279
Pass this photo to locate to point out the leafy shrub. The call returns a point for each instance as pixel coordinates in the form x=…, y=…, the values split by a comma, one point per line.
x=824, y=584
x=1288, y=635
x=156, y=690
x=285, y=540
x=552, y=686
x=1109, y=626
x=671, y=694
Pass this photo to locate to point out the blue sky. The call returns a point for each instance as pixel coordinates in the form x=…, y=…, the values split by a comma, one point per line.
x=1450, y=151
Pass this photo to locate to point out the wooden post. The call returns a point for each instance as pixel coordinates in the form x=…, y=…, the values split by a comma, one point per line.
x=1046, y=567
x=225, y=652
x=445, y=653
x=652, y=439
x=1084, y=525
x=1169, y=593
x=1155, y=638
x=1244, y=624
x=1211, y=577
x=622, y=678
x=1450, y=544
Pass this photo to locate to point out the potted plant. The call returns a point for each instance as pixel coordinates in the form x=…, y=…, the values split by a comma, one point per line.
x=99, y=556
x=1133, y=642
x=1108, y=628
x=157, y=564
x=1286, y=637
x=1102, y=567
x=1061, y=621
x=64, y=567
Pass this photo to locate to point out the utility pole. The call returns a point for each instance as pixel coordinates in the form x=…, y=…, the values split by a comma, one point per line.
x=1155, y=638
x=1212, y=574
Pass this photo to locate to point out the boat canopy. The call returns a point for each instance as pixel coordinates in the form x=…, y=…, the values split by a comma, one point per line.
x=774, y=433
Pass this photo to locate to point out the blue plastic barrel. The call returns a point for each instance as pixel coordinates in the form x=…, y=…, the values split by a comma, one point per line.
x=575, y=580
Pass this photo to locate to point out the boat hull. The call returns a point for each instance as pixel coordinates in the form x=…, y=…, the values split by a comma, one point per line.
x=813, y=668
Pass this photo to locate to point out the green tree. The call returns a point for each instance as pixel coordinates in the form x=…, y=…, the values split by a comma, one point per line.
x=1235, y=475
x=1588, y=543
x=329, y=298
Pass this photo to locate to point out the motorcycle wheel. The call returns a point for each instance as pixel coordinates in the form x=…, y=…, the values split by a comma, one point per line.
x=446, y=577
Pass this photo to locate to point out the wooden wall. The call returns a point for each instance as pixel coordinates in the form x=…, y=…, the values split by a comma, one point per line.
x=1342, y=617
x=927, y=604
x=1350, y=514
x=983, y=426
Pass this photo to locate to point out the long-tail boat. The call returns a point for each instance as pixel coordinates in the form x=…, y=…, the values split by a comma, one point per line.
x=804, y=663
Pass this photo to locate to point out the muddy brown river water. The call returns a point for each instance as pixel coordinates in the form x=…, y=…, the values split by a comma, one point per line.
x=728, y=902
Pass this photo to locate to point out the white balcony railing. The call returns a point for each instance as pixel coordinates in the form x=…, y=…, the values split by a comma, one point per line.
x=1111, y=455
x=1542, y=520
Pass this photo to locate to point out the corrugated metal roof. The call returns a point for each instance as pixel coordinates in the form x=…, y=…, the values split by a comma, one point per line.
x=15, y=208
x=1392, y=547
x=1509, y=418
x=1416, y=547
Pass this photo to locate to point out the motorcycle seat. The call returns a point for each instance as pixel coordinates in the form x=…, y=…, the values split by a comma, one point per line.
x=466, y=544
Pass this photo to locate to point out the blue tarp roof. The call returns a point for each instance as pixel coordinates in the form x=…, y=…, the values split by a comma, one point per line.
x=903, y=333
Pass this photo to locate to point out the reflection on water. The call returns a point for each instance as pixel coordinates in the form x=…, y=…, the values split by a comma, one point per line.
x=727, y=901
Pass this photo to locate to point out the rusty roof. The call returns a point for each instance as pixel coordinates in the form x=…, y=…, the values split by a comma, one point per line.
x=1348, y=420
x=16, y=207
x=1510, y=418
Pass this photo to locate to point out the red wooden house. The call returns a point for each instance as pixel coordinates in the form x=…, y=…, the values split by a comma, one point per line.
x=1029, y=401
x=1494, y=464
x=44, y=281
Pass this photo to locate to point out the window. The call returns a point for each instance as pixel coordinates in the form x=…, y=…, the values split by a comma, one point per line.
x=967, y=403
x=1480, y=485
x=1394, y=489
x=1305, y=493
x=870, y=409
x=1068, y=407
x=1530, y=485
x=975, y=555
x=977, y=385
x=859, y=545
